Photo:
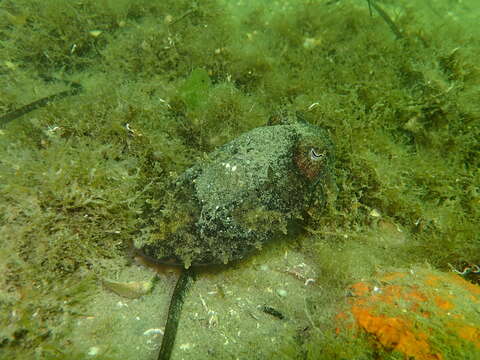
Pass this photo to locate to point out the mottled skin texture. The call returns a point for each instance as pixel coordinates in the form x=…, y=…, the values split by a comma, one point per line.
x=244, y=194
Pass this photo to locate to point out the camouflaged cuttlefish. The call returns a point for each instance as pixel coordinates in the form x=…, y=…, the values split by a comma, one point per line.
x=244, y=194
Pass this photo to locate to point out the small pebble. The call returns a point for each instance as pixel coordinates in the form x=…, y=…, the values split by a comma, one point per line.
x=155, y=331
x=93, y=351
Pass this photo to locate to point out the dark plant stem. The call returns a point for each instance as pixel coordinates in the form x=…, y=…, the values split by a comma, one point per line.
x=6, y=118
x=184, y=282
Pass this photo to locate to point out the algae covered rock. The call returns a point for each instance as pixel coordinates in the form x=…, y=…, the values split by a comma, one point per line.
x=242, y=195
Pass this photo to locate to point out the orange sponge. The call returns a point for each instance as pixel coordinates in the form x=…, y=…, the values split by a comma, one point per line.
x=423, y=313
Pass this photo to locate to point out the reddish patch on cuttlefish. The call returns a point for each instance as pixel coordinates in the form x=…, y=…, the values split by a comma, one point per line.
x=309, y=162
x=159, y=267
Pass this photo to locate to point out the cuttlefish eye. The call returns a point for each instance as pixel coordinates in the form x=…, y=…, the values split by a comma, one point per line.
x=316, y=155
x=311, y=160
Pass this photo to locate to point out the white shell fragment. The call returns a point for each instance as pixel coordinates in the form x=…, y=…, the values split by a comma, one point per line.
x=130, y=289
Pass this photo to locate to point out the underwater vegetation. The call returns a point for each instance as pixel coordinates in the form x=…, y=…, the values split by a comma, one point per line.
x=166, y=82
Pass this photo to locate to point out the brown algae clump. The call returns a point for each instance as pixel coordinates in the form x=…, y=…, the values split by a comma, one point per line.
x=244, y=194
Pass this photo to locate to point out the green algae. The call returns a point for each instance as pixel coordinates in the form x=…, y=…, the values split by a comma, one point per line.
x=76, y=186
x=195, y=89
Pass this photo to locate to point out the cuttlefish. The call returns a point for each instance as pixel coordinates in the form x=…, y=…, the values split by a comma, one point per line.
x=244, y=194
